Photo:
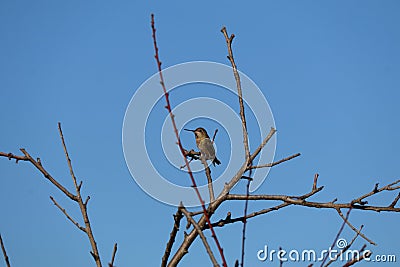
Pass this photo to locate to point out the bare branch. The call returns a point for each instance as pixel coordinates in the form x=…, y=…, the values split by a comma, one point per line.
x=202, y=236
x=67, y=215
x=300, y=202
x=193, y=155
x=232, y=182
x=194, y=213
x=47, y=175
x=86, y=201
x=354, y=229
x=263, y=143
x=77, y=198
x=354, y=204
x=189, y=238
x=289, y=199
x=223, y=222
x=389, y=187
x=229, y=41
x=71, y=171
x=177, y=219
x=345, y=248
x=274, y=163
x=337, y=235
x=82, y=205
x=294, y=200
x=11, y=156
x=6, y=259
x=246, y=204
x=111, y=264
x=315, y=183
x=80, y=185
x=182, y=251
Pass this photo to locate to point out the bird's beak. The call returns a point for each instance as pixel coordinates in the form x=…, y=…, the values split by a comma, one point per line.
x=189, y=130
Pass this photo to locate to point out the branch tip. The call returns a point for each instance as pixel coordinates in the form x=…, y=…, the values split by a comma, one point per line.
x=315, y=181
x=111, y=264
x=6, y=258
x=376, y=188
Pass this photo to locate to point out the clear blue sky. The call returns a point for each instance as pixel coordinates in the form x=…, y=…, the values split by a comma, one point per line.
x=329, y=69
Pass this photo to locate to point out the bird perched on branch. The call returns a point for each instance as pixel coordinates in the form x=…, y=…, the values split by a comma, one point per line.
x=205, y=145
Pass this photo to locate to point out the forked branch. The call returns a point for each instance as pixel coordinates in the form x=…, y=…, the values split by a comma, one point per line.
x=75, y=197
x=202, y=236
x=67, y=215
x=177, y=220
x=272, y=164
x=82, y=205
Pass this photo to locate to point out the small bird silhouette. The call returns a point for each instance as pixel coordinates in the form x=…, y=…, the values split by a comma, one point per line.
x=205, y=145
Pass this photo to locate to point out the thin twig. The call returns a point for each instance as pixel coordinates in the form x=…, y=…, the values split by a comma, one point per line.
x=224, y=195
x=4, y=252
x=300, y=202
x=11, y=156
x=48, y=176
x=315, y=181
x=395, y=200
x=67, y=215
x=194, y=185
x=263, y=143
x=202, y=236
x=177, y=219
x=82, y=205
x=354, y=229
x=337, y=235
x=111, y=264
x=229, y=40
x=193, y=155
x=194, y=213
x=222, y=223
x=274, y=163
x=215, y=134
x=246, y=204
x=77, y=198
x=345, y=248
x=71, y=171
x=376, y=190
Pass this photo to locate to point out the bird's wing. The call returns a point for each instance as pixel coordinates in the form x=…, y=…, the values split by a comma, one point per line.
x=208, y=149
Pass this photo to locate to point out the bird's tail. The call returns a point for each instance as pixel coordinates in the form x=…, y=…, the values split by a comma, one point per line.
x=216, y=161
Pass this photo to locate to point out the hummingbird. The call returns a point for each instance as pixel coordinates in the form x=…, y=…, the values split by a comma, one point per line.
x=205, y=145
